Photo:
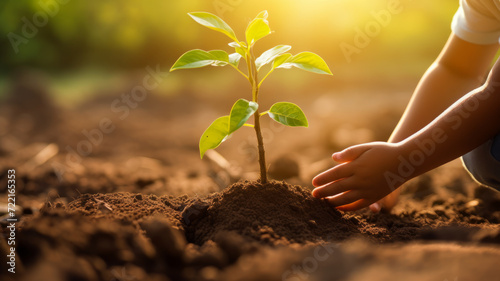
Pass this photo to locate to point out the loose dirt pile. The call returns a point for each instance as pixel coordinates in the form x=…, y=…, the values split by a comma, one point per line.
x=275, y=213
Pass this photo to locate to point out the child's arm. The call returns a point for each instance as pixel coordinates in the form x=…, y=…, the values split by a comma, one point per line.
x=460, y=68
x=371, y=171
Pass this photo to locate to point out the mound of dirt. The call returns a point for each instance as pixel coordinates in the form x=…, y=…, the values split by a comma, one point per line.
x=274, y=213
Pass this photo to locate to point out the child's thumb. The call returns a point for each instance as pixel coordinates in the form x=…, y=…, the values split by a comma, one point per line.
x=349, y=154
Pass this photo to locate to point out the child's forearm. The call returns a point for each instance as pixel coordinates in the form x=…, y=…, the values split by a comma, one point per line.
x=453, y=75
x=425, y=105
x=467, y=124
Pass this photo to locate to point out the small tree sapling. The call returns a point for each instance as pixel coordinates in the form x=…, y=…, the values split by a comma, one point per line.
x=286, y=113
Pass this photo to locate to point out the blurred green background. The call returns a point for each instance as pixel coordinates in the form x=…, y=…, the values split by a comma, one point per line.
x=65, y=38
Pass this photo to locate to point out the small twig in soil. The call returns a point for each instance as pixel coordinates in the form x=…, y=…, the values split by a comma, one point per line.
x=219, y=165
x=41, y=157
x=103, y=206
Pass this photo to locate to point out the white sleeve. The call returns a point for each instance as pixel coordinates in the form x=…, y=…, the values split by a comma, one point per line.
x=475, y=27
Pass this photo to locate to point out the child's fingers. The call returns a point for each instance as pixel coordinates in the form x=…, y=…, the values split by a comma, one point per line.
x=360, y=204
x=332, y=189
x=345, y=198
x=350, y=153
x=338, y=172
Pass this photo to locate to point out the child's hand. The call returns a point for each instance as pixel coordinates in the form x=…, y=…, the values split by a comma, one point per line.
x=361, y=178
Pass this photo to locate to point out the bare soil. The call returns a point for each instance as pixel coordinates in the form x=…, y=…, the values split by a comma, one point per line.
x=143, y=206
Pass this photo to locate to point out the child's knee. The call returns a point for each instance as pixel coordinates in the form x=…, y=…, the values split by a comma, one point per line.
x=482, y=165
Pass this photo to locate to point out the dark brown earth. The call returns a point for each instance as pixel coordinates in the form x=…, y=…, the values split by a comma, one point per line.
x=143, y=206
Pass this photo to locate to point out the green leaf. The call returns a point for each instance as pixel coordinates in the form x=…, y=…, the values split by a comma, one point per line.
x=241, y=111
x=269, y=55
x=288, y=114
x=200, y=58
x=262, y=15
x=214, y=135
x=213, y=22
x=307, y=61
x=221, y=57
x=278, y=61
x=238, y=48
x=257, y=29
x=241, y=51
x=234, y=59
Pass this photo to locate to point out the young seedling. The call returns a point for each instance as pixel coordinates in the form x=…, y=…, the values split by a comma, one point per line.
x=286, y=113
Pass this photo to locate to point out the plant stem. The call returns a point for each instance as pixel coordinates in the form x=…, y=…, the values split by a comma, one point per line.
x=270, y=71
x=244, y=75
x=254, y=80
x=262, y=153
